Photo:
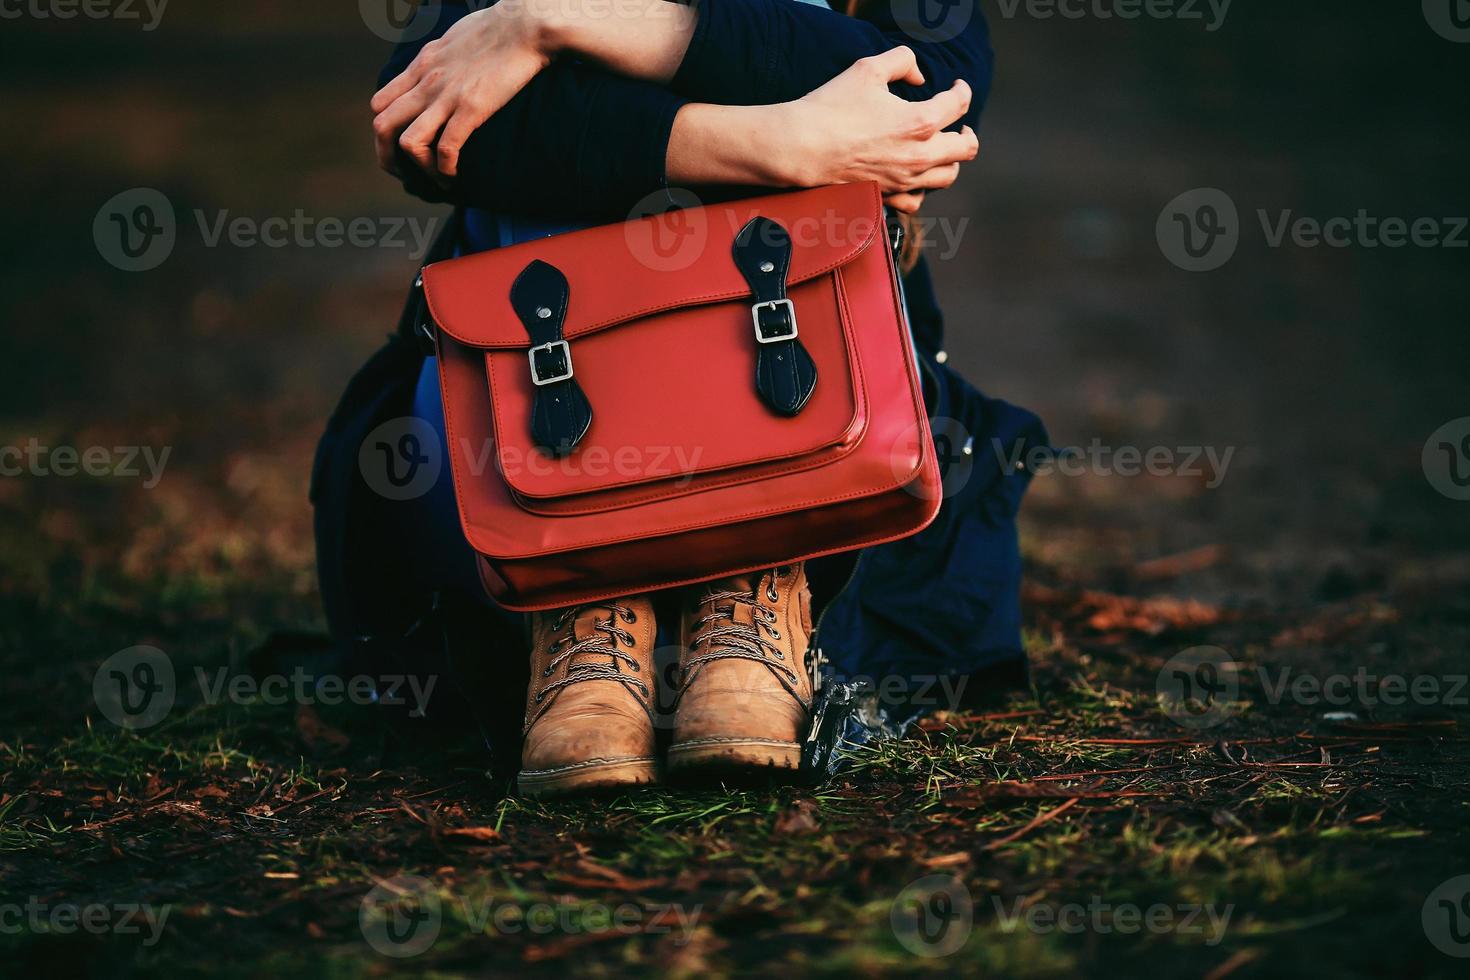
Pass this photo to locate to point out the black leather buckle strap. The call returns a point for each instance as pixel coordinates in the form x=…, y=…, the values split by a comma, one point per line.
x=560, y=412
x=785, y=374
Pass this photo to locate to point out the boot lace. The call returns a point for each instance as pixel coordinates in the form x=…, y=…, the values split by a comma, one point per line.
x=584, y=657
x=726, y=639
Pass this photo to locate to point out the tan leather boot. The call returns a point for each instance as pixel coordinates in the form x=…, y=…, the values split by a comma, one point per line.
x=745, y=693
x=589, y=722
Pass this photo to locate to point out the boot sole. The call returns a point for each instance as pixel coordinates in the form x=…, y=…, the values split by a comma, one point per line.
x=588, y=777
x=735, y=760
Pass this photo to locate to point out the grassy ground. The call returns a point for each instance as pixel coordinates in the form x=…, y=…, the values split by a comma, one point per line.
x=1274, y=842
x=1293, y=836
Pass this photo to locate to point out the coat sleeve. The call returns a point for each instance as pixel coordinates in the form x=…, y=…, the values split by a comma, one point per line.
x=577, y=142
x=754, y=52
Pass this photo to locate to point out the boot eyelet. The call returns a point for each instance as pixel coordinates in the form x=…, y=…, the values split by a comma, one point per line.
x=775, y=634
x=630, y=641
x=546, y=672
x=780, y=655
x=539, y=696
x=771, y=595
x=636, y=668
x=630, y=616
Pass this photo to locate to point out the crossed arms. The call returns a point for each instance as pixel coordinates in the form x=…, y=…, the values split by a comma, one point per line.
x=579, y=108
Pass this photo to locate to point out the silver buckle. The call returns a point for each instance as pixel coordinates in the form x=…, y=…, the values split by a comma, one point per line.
x=755, y=316
x=566, y=353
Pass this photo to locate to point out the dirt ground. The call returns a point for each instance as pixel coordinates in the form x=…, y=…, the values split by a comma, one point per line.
x=1306, y=812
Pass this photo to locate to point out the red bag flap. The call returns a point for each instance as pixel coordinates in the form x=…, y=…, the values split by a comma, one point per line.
x=627, y=271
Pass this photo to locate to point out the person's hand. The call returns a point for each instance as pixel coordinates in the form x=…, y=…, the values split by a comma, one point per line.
x=455, y=84
x=907, y=202
x=853, y=129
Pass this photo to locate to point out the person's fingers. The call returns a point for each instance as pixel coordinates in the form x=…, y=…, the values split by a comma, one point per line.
x=456, y=131
x=418, y=139
x=937, y=178
x=424, y=63
x=949, y=147
x=947, y=107
x=906, y=202
x=396, y=89
x=897, y=65
x=392, y=121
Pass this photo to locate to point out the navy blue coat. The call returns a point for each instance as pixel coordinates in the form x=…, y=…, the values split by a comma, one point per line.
x=579, y=143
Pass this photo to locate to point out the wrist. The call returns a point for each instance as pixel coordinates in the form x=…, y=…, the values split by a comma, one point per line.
x=791, y=155
x=543, y=25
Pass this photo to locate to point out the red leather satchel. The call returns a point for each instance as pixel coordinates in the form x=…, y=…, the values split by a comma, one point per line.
x=624, y=414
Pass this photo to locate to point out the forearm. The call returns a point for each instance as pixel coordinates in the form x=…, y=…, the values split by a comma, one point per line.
x=716, y=144
x=644, y=39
